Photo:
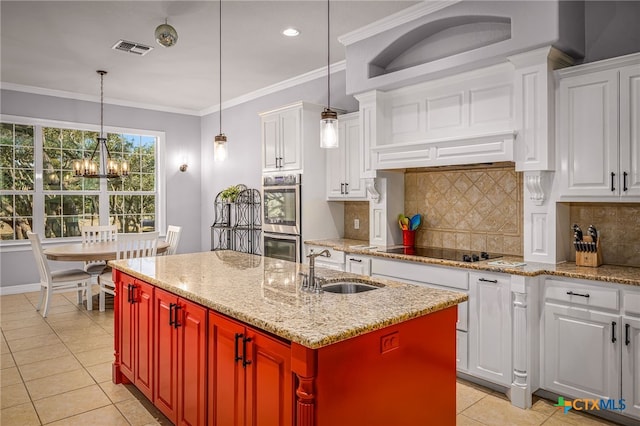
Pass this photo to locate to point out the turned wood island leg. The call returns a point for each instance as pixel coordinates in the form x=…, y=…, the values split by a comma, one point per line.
x=303, y=365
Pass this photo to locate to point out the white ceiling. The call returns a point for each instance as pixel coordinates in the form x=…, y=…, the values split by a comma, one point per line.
x=58, y=45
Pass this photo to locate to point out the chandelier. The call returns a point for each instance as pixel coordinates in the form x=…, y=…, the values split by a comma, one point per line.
x=108, y=167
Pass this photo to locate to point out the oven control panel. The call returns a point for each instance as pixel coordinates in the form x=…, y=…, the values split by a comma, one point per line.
x=281, y=180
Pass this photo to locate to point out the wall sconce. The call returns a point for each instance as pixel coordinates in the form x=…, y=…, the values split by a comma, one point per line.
x=183, y=167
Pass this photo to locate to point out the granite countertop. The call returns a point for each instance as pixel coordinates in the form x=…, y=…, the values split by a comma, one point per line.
x=609, y=273
x=265, y=293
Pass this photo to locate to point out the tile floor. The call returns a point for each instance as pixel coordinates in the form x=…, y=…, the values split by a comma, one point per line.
x=57, y=371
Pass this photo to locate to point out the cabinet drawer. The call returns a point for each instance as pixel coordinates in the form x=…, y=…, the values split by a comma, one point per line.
x=337, y=257
x=582, y=294
x=461, y=350
x=632, y=302
x=421, y=273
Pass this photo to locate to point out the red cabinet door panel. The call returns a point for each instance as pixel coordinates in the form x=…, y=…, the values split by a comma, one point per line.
x=166, y=356
x=126, y=326
x=143, y=312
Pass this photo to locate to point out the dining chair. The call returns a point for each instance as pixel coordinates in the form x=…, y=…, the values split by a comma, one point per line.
x=97, y=234
x=173, y=238
x=143, y=244
x=52, y=282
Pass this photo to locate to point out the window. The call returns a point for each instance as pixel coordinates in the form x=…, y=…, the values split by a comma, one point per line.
x=39, y=190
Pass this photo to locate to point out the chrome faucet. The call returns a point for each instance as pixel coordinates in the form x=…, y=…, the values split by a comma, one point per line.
x=311, y=283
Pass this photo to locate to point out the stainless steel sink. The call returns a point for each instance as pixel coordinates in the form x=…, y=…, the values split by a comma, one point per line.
x=347, y=287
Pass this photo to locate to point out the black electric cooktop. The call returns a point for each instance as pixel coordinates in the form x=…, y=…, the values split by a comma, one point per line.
x=443, y=253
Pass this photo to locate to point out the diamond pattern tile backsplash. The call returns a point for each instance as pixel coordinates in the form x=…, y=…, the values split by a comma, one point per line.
x=476, y=209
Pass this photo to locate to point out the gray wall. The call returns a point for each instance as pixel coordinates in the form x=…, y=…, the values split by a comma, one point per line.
x=241, y=124
x=612, y=29
x=182, y=189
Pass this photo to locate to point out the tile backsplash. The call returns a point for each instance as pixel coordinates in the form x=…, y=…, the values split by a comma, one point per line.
x=618, y=225
x=356, y=210
x=475, y=208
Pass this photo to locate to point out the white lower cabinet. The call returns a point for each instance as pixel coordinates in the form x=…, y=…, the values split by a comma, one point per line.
x=631, y=366
x=581, y=352
x=490, y=327
x=357, y=264
x=335, y=261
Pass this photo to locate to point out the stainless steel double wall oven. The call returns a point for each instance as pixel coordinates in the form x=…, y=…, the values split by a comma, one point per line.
x=281, y=225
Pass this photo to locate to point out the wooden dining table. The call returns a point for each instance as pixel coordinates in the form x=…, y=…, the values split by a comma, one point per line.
x=90, y=251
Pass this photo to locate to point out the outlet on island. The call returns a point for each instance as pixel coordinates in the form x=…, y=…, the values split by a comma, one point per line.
x=356, y=223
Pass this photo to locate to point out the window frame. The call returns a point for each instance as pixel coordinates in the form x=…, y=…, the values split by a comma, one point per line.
x=39, y=193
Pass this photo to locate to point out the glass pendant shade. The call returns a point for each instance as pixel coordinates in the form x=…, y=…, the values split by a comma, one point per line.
x=220, y=148
x=166, y=35
x=329, y=129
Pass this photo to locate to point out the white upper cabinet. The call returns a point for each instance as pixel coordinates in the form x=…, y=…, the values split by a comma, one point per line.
x=282, y=139
x=344, y=162
x=599, y=134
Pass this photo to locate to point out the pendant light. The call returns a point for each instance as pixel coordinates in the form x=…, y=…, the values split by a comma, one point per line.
x=166, y=35
x=108, y=168
x=220, y=141
x=328, y=117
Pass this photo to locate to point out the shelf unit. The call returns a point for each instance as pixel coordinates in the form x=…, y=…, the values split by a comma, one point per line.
x=238, y=225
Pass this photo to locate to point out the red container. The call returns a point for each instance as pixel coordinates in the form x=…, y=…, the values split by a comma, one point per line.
x=408, y=238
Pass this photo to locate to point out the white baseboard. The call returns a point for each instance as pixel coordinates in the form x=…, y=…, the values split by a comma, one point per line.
x=17, y=289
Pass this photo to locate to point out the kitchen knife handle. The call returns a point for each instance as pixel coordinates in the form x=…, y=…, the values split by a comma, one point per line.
x=613, y=176
x=571, y=293
x=627, y=334
x=484, y=280
x=624, y=181
x=613, y=332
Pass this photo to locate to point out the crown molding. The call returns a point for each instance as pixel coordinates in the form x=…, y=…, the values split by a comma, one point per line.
x=397, y=19
x=285, y=84
x=93, y=98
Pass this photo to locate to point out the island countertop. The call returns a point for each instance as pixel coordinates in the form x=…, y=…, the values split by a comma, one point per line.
x=266, y=294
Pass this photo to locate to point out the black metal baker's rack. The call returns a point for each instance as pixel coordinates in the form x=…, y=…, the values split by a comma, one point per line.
x=237, y=225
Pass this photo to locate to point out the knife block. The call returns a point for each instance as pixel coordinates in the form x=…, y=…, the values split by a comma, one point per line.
x=589, y=258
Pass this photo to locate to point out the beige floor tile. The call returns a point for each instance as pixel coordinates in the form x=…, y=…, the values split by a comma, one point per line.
x=13, y=395
x=19, y=415
x=71, y=403
x=78, y=322
x=116, y=393
x=96, y=356
x=30, y=343
x=573, y=418
x=462, y=420
x=9, y=376
x=105, y=416
x=101, y=372
x=90, y=343
x=22, y=333
x=68, y=317
x=50, y=367
x=14, y=324
x=543, y=406
x=41, y=353
x=4, y=347
x=6, y=361
x=71, y=335
x=61, y=309
x=494, y=411
x=136, y=413
x=467, y=395
x=22, y=313
x=58, y=383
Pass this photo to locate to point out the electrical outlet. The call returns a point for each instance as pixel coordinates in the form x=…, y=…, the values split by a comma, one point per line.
x=356, y=223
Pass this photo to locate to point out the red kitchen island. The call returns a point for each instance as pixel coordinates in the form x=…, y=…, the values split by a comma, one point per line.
x=226, y=338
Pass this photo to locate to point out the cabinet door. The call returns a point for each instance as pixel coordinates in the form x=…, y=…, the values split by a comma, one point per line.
x=581, y=352
x=490, y=327
x=336, y=166
x=355, y=188
x=270, y=142
x=192, y=355
x=166, y=355
x=127, y=326
x=589, y=134
x=225, y=372
x=143, y=331
x=269, y=396
x=291, y=139
x=631, y=366
x=630, y=129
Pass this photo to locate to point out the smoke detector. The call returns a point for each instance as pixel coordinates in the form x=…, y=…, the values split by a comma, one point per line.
x=132, y=47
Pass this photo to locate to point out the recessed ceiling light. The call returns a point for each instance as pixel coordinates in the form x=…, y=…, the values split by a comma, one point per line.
x=291, y=32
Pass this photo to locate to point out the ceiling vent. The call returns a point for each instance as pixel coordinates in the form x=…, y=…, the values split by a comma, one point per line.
x=132, y=47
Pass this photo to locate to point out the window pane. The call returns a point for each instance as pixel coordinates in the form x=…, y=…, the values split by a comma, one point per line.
x=15, y=216
x=6, y=156
x=24, y=135
x=6, y=134
x=6, y=179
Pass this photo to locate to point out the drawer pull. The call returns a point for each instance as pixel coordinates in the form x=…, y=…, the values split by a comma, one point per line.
x=571, y=293
x=171, y=320
x=613, y=332
x=484, y=280
x=627, y=334
x=245, y=361
x=613, y=176
x=355, y=260
x=236, y=356
x=624, y=181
